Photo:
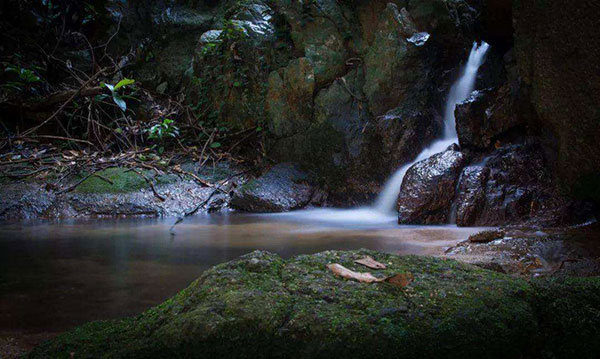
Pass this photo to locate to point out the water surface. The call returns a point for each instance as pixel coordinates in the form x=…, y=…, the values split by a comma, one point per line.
x=54, y=276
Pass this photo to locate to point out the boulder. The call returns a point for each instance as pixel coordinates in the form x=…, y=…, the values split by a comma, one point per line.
x=262, y=306
x=282, y=188
x=403, y=133
x=513, y=185
x=428, y=189
x=289, y=99
x=485, y=116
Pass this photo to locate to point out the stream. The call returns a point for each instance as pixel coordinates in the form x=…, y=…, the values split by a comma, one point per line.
x=58, y=275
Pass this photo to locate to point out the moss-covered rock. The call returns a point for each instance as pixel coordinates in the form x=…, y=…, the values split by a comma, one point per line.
x=263, y=306
x=118, y=180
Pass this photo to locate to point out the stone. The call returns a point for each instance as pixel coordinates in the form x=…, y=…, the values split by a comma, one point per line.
x=319, y=29
x=486, y=115
x=284, y=187
x=263, y=306
x=428, y=189
x=486, y=236
x=513, y=185
x=403, y=133
x=289, y=99
x=394, y=69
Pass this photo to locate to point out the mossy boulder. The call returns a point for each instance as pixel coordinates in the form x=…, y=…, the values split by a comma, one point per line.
x=261, y=306
x=119, y=180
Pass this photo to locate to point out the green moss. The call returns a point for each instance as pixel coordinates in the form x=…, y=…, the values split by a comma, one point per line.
x=569, y=316
x=122, y=180
x=262, y=306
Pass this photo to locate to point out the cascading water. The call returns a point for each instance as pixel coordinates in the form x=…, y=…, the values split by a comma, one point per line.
x=383, y=210
x=386, y=201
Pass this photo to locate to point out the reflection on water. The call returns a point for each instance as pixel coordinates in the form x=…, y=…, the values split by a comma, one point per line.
x=57, y=275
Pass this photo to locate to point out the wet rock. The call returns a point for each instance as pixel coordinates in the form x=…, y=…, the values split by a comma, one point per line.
x=484, y=116
x=428, y=189
x=290, y=98
x=526, y=251
x=22, y=200
x=513, y=185
x=127, y=194
x=297, y=308
x=283, y=188
x=403, y=133
x=485, y=236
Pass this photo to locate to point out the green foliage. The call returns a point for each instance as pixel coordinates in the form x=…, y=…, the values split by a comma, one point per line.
x=163, y=130
x=20, y=78
x=117, y=97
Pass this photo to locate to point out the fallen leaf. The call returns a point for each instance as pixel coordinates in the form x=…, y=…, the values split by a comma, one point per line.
x=369, y=262
x=344, y=272
x=400, y=280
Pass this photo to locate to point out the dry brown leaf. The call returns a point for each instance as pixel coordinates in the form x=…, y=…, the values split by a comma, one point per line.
x=400, y=280
x=344, y=272
x=369, y=262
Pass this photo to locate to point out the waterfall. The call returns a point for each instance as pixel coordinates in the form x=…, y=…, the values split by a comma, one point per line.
x=383, y=210
x=460, y=90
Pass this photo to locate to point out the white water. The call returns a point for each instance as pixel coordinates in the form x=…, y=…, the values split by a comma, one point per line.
x=383, y=210
x=386, y=201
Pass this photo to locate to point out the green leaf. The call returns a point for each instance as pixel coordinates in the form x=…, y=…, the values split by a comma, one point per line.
x=237, y=84
x=120, y=102
x=215, y=145
x=108, y=86
x=124, y=82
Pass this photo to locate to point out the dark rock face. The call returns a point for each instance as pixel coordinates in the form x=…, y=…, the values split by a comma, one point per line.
x=557, y=49
x=428, y=189
x=513, y=185
x=262, y=306
x=283, y=188
x=375, y=83
x=484, y=116
x=404, y=133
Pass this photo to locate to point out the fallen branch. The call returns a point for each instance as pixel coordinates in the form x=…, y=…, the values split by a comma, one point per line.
x=156, y=194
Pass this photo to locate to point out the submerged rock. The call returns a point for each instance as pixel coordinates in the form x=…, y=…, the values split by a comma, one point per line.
x=283, y=188
x=262, y=306
x=428, y=188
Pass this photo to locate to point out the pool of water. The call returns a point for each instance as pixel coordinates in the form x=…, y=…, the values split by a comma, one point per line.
x=55, y=275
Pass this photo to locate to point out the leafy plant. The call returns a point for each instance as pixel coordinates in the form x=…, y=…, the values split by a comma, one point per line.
x=163, y=130
x=25, y=75
x=117, y=97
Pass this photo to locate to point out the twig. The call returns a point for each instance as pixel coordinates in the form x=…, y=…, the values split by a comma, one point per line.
x=62, y=107
x=156, y=194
